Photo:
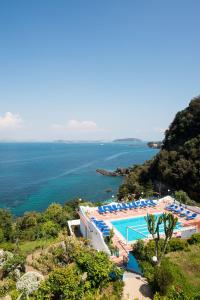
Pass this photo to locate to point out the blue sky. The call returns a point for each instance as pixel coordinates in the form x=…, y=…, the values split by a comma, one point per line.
x=96, y=69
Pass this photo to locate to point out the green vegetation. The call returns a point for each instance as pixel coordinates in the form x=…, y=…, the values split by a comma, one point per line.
x=178, y=275
x=189, y=264
x=40, y=242
x=78, y=272
x=176, y=166
x=153, y=223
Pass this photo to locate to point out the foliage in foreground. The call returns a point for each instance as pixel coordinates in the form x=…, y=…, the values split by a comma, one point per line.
x=78, y=272
x=169, y=280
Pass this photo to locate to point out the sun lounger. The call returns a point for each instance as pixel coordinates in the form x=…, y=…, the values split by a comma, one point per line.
x=178, y=210
x=148, y=203
x=104, y=228
x=130, y=205
x=152, y=203
x=143, y=203
x=115, y=207
x=169, y=207
x=108, y=208
x=101, y=210
x=185, y=213
x=120, y=207
x=125, y=206
x=134, y=204
x=193, y=216
x=106, y=234
x=173, y=208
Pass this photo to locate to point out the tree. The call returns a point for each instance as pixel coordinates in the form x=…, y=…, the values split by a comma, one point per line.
x=182, y=197
x=62, y=283
x=49, y=229
x=6, y=220
x=1, y=235
x=169, y=222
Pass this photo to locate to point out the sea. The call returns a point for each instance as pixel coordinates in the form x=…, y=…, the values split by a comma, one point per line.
x=33, y=175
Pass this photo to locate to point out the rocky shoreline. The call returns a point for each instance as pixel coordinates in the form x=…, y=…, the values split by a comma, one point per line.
x=117, y=172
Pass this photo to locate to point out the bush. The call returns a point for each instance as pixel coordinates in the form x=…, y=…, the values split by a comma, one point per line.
x=148, y=271
x=168, y=276
x=65, y=283
x=176, y=244
x=13, y=263
x=163, y=277
x=49, y=229
x=6, y=286
x=139, y=249
x=194, y=239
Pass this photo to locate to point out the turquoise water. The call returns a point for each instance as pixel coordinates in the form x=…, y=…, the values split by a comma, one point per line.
x=33, y=175
x=139, y=224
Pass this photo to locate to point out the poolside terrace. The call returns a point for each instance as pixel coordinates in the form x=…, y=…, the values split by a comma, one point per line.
x=118, y=240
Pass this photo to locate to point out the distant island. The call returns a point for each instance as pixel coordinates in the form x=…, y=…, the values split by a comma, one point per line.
x=128, y=140
x=155, y=145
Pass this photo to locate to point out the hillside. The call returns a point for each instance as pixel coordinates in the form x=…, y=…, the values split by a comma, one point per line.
x=177, y=165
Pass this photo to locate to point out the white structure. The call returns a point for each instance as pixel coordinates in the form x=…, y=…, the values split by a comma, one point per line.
x=90, y=231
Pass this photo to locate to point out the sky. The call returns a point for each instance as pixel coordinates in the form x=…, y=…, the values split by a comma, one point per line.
x=86, y=69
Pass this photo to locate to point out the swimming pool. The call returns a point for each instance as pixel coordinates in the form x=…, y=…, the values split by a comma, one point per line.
x=139, y=224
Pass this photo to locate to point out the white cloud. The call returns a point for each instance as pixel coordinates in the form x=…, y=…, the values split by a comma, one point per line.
x=10, y=121
x=84, y=125
x=76, y=125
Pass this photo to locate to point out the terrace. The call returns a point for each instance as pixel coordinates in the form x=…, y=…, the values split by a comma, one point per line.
x=102, y=222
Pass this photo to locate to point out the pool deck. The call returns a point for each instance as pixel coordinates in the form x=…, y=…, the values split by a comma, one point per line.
x=119, y=241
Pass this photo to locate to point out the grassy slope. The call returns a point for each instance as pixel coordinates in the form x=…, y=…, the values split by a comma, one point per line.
x=189, y=263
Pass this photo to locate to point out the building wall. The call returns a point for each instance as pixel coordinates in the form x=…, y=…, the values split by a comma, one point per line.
x=90, y=232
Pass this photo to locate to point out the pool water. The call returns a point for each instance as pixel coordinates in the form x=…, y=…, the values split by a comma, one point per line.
x=139, y=225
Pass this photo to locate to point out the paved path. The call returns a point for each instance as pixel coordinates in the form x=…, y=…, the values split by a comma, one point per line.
x=136, y=287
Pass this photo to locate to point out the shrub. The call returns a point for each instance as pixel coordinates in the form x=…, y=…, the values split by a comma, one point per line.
x=148, y=271
x=176, y=244
x=65, y=283
x=6, y=286
x=194, y=239
x=13, y=263
x=168, y=276
x=139, y=249
x=163, y=277
x=49, y=229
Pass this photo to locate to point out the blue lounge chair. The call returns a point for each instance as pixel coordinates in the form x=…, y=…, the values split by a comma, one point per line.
x=101, y=210
x=134, y=204
x=120, y=207
x=152, y=203
x=143, y=203
x=193, y=216
x=173, y=208
x=148, y=203
x=178, y=210
x=124, y=206
x=185, y=213
x=168, y=207
x=106, y=234
x=115, y=207
x=108, y=208
x=130, y=205
x=104, y=228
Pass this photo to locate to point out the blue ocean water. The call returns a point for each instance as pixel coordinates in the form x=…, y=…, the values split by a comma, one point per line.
x=33, y=175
